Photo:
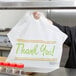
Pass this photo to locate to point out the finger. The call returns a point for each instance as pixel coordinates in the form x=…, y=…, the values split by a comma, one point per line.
x=50, y=21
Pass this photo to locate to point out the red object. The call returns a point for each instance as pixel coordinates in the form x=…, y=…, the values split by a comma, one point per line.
x=20, y=65
x=6, y=64
x=1, y=63
x=13, y=65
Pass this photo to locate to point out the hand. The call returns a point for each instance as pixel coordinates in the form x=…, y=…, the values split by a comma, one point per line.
x=36, y=15
x=50, y=21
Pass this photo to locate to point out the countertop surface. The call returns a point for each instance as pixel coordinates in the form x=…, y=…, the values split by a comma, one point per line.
x=59, y=72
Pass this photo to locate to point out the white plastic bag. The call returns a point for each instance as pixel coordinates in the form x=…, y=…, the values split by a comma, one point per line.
x=37, y=44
